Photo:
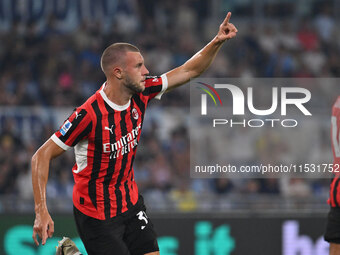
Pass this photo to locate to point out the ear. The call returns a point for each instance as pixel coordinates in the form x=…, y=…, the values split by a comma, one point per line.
x=118, y=72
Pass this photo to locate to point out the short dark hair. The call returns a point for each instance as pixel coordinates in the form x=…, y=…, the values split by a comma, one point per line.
x=114, y=54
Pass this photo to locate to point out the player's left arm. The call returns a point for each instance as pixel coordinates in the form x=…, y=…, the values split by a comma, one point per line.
x=198, y=63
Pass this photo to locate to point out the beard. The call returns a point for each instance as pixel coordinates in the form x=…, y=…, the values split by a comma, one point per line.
x=135, y=87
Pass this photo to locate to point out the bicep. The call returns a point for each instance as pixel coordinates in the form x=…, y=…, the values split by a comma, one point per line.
x=50, y=150
x=178, y=77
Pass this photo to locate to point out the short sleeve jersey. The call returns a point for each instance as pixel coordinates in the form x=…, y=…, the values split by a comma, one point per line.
x=105, y=137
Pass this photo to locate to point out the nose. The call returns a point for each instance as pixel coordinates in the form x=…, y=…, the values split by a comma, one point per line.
x=145, y=71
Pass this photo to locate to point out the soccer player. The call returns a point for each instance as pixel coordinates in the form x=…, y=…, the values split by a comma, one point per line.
x=332, y=234
x=104, y=131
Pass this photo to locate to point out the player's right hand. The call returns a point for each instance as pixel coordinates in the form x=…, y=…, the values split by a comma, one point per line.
x=43, y=227
x=227, y=30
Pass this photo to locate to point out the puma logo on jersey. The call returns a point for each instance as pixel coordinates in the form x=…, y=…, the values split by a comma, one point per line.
x=77, y=115
x=110, y=129
x=155, y=80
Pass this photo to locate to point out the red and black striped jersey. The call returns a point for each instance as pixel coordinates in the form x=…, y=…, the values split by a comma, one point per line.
x=105, y=138
x=334, y=198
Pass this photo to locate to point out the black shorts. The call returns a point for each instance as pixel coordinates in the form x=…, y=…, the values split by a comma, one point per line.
x=332, y=234
x=130, y=233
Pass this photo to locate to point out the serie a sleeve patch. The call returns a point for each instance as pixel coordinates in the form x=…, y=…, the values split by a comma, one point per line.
x=64, y=128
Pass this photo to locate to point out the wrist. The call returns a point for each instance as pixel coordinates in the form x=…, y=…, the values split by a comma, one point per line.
x=218, y=40
x=39, y=208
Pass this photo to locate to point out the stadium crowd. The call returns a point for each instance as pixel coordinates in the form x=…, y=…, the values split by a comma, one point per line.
x=45, y=66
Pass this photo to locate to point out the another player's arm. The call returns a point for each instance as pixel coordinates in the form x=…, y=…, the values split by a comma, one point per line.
x=43, y=224
x=198, y=63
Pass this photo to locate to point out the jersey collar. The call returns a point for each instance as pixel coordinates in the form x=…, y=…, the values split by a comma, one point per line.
x=112, y=104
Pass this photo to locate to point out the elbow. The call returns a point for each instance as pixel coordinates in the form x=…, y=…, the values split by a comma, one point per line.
x=195, y=73
x=36, y=158
x=191, y=71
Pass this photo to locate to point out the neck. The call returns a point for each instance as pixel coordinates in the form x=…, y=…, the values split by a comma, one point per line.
x=116, y=92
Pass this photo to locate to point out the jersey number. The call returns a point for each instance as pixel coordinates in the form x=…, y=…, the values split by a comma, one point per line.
x=142, y=216
x=335, y=140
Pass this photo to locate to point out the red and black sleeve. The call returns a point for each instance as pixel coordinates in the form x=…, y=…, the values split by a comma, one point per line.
x=155, y=86
x=77, y=127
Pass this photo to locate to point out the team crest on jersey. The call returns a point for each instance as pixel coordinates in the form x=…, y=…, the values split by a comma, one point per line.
x=135, y=114
x=67, y=125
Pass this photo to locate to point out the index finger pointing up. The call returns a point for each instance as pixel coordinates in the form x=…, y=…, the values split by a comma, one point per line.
x=227, y=18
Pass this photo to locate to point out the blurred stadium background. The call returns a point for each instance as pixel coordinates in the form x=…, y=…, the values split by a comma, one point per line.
x=49, y=63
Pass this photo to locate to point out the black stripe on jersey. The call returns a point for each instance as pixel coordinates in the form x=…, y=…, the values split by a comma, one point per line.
x=85, y=132
x=123, y=166
x=75, y=122
x=134, y=125
x=152, y=89
x=111, y=168
x=139, y=103
x=132, y=159
x=127, y=196
x=97, y=154
x=335, y=188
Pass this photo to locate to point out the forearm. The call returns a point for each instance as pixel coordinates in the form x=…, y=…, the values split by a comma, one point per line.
x=40, y=170
x=43, y=223
x=195, y=66
x=198, y=63
x=202, y=59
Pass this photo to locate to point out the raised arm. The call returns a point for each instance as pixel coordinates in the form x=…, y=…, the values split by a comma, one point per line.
x=43, y=224
x=198, y=63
